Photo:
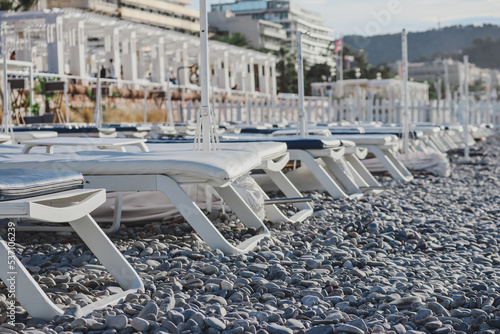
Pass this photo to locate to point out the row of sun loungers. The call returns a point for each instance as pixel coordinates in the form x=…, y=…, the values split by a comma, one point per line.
x=36, y=184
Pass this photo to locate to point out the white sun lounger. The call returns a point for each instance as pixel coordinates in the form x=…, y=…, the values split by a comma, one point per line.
x=273, y=155
x=274, y=158
x=384, y=147
x=71, y=206
x=116, y=171
x=324, y=157
x=118, y=144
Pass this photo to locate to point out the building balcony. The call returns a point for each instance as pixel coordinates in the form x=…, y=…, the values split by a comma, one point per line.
x=91, y=5
x=164, y=21
x=278, y=34
x=271, y=46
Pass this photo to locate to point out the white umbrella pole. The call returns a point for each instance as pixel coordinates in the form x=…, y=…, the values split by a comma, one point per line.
x=5, y=127
x=467, y=109
x=206, y=124
x=98, y=109
x=170, y=113
x=145, y=105
x=406, y=118
x=66, y=99
x=300, y=61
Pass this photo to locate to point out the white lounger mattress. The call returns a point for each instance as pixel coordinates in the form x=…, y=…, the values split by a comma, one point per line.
x=265, y=150
x=214, y=168
x=369, y=139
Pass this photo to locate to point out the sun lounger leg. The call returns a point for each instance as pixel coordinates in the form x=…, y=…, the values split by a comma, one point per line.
x=240, y=207
x=27, y=291
x=395, y=167
x=109, y=256
x=287, y=187
x=342, y=175
x=117, y=214
x=201, y=224
x=362, y=171
x=319, y=173
x=36, y=302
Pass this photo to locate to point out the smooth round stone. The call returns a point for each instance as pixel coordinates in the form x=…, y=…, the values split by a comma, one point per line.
x=140, y=324
x=438, y=309
x=277, y=329
x=399, y=329
x=62, y=279
x=80, y=322
x=406, y=301
x=117, y=322
x=35, y=322
x=348, y=329
x=226, y=285
x=313, y=264
x=268, y=255
x=210, y=270
x=348, y=265
x=458, y=300
x=360, y=323
x=444, y=330
x=433, y=325
x=256, y=267
x=198, y=318
x=146, y=252
x=139, y=245
x=98, y=326
x=193, y=284
x=423, y=316
x=477, y=313
x=175, y=317
x=324, y=329
x=294, y=324
x=170, y=326
x=357, y=272
x=215, y=323
x=149, y=309
x=310, y=300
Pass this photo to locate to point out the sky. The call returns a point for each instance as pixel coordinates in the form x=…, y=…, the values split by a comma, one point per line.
x=373, y=17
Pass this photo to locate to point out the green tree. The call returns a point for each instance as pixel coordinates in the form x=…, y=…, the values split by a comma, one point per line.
x=25, y=4
x=316, y=73
x=484, y=52
x=235, y=38
x=367, y=70
x=286, y=72
x=6, y=4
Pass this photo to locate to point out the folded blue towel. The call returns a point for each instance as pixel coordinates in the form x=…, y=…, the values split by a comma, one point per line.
x=23, y=183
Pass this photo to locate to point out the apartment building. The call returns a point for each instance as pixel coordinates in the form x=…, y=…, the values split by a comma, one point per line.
x=316, y=44
x=169, y=14
x=261, y=34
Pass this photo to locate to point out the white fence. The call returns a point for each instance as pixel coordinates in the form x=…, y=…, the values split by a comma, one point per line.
x=235, y=106
x=320, y=110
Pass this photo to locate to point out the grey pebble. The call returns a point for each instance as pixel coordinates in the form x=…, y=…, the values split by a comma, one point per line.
x=116, y=321
x=277, y=329
x=139, y=324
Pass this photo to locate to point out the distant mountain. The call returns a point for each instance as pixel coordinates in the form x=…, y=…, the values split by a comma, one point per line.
x=423, y=45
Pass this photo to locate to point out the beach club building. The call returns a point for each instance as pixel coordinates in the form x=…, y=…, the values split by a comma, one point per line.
x=79, y=41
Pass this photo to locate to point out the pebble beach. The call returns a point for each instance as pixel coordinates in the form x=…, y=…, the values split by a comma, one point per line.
x=421, y=257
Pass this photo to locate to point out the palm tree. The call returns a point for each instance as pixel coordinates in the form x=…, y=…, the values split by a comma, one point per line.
x=25, y=4
x=6, y=4
x=286, y=71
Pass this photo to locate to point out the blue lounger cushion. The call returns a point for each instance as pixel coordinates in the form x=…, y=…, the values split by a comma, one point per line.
x=23, y=183
x=292, y=143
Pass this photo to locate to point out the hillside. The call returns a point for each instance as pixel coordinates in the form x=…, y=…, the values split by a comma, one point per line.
x=450, y=40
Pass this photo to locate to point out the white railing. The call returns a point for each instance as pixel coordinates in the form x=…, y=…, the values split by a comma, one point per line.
x=252, y=108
